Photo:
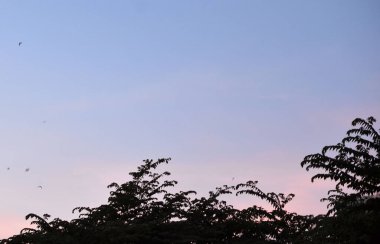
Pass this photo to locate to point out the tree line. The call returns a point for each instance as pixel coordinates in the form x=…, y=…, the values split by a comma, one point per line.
x=144, y=210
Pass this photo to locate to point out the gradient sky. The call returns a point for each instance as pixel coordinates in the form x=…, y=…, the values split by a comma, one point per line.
x=240, y=89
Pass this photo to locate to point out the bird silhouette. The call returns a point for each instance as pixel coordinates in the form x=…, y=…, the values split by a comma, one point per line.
x=40, y=187
x=27, y=170
x=8, y=168
x=19, y=43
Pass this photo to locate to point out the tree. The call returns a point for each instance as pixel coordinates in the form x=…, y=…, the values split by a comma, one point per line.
x=143, y=210
x=354, y=204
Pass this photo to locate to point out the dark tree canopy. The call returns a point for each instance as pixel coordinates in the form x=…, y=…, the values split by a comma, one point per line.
x=353, y=163
x=354, y=204
x=144, y=210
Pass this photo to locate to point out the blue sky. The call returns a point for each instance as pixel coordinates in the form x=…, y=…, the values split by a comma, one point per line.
x=240, y=89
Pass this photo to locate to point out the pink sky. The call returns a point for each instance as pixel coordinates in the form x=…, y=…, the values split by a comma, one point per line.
x=240, y=89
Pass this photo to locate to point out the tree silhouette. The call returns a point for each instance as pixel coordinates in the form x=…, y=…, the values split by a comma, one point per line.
x=144, y=210
x=354, y=204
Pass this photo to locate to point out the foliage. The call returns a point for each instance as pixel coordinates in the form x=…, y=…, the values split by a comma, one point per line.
x=143, y=210
x=354, y=204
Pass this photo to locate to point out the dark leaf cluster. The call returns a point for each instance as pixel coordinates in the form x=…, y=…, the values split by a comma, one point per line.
x=143, y=210
x=354, y=204
x=146, y=209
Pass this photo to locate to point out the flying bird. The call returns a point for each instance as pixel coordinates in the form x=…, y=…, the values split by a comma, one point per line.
x=27, y=170
x=40, y=187
x=19, y=43
x=8, y=168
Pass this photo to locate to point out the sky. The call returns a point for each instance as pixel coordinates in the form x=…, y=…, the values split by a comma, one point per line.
x=239, y=90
